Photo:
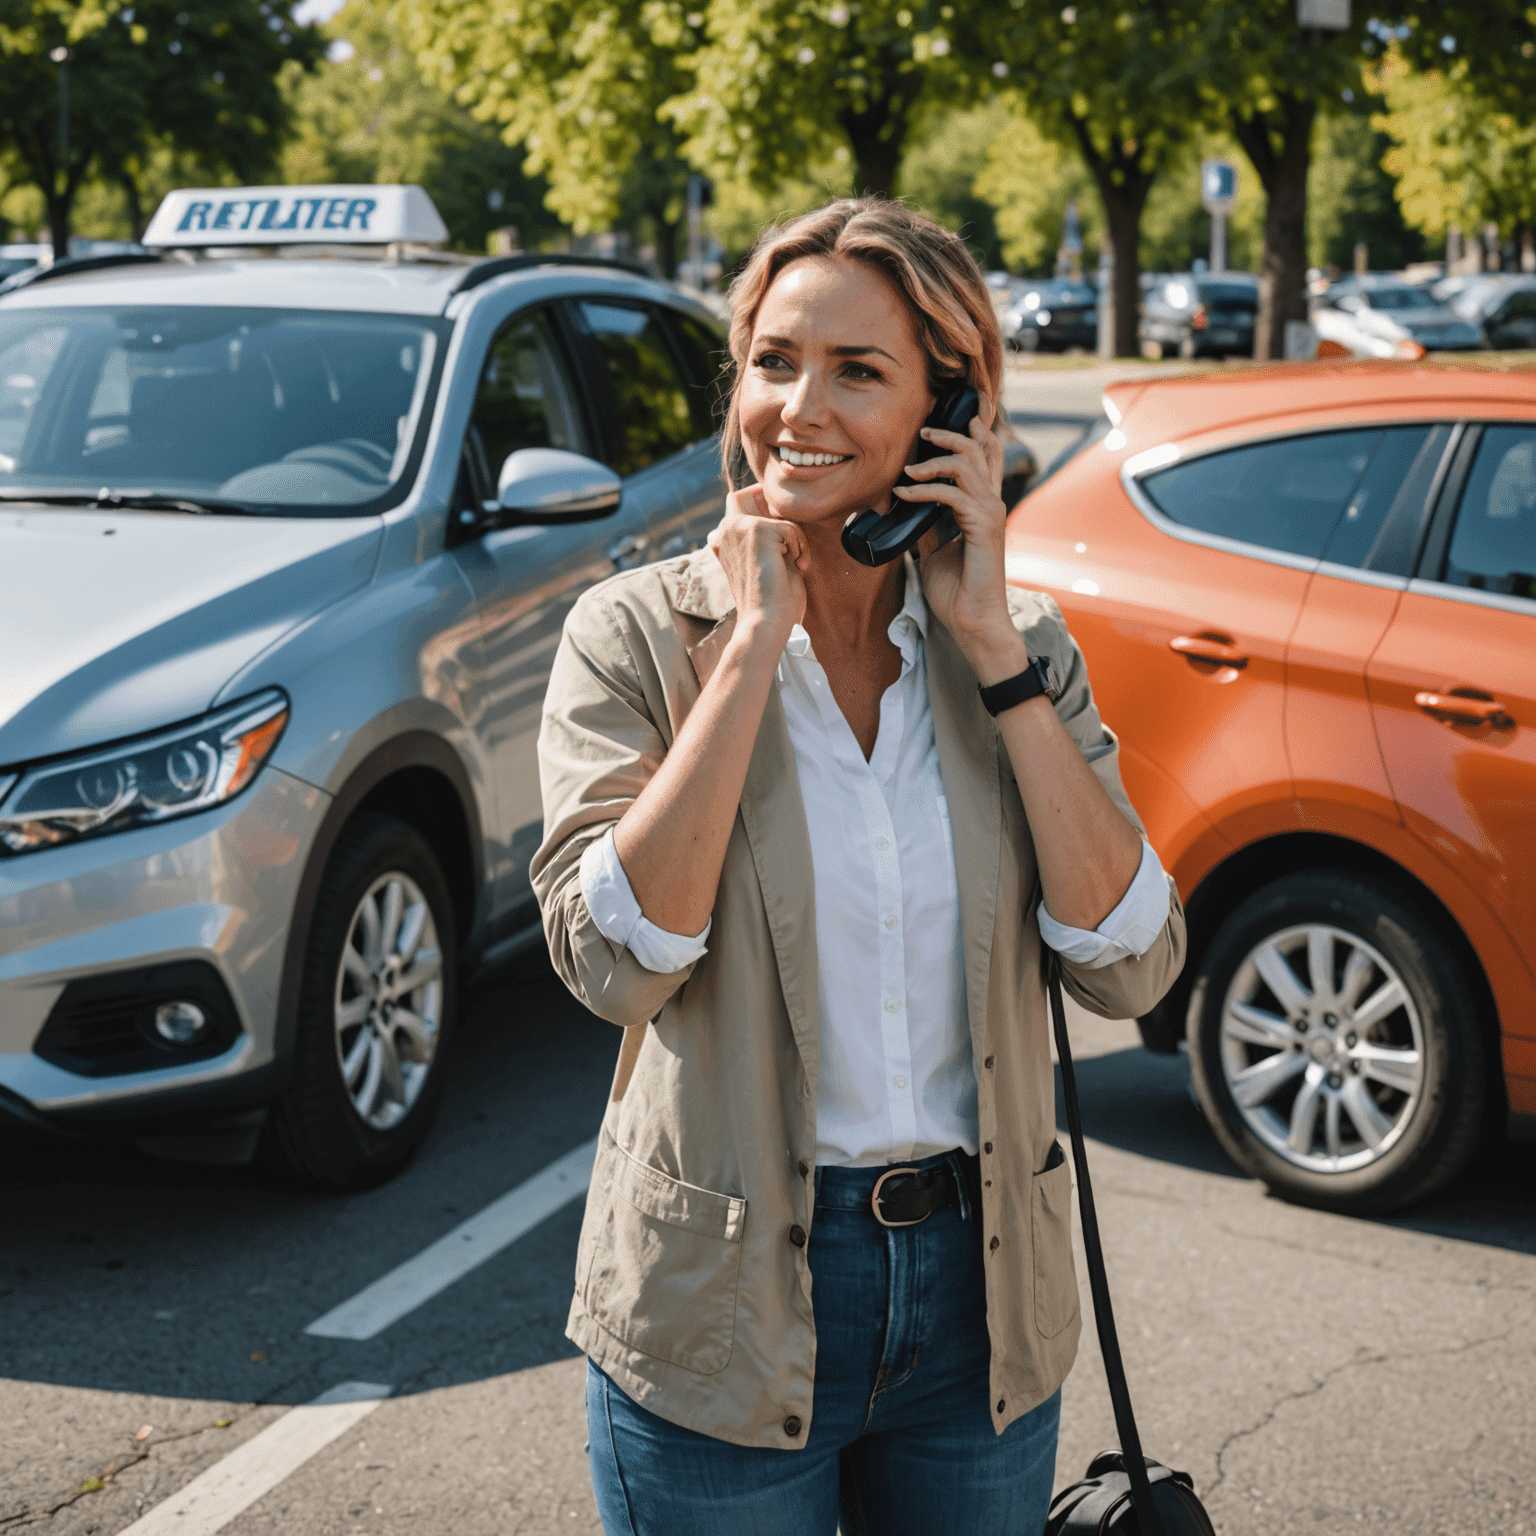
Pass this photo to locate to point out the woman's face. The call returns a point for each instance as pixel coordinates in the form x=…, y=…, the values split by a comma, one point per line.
x=834, y=390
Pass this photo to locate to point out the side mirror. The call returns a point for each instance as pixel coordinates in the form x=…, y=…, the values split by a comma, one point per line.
x=550, y=485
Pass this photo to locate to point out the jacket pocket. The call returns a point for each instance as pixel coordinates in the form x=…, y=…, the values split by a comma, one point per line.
x=1051, y=1218
x=662, y=1261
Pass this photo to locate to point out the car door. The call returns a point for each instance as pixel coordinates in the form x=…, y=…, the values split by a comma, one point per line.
x=1453, y=684
x=1201, y=684
x=527, y=577
x=656, y=434
x=1513, y=323
x=1351, y=599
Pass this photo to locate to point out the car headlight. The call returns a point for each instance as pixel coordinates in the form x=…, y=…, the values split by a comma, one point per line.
x=173, y=773
x=1042, y=317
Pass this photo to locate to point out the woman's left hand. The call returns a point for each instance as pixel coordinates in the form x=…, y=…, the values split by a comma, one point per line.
x=965, y=581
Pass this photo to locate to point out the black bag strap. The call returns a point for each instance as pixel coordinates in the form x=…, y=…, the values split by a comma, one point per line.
x=1147, y=1516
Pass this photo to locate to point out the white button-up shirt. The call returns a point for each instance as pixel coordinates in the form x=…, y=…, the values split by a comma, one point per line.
x=896, y=1079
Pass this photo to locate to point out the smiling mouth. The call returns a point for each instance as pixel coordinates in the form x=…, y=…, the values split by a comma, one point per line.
x=807, y=460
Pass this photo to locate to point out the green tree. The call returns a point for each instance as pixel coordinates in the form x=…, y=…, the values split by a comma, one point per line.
x=945, y=157
x=1351, y=197
x=365, y=114
x=775, y=83
x=1028, y=180
x=200, y=75
x=1455, y=156
x=1274, y=81
x=1101, y=78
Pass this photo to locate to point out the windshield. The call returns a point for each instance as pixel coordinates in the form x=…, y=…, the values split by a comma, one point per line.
x=1399, y=298
x=291, y=412
x=1229, y=295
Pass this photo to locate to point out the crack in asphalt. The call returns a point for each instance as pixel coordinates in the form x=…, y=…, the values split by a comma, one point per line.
x=1360, y=1360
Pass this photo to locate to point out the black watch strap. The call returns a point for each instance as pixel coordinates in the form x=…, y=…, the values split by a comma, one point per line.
x=1034, y=680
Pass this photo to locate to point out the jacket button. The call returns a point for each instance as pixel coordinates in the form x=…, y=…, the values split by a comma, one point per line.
x=988, y=1062
x=797, y=1237
x=993, y=1244
x=792, y=1425
x=804, y=1167
x=986, y=1146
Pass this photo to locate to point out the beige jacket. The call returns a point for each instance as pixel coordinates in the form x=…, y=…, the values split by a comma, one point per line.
x=692, y=1287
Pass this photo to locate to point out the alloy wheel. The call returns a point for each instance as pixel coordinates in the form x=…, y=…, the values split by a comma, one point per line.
x=389, y=1000
x=1322, y=1049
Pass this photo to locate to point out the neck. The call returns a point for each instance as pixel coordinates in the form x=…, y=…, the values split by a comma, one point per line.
x=847, y=602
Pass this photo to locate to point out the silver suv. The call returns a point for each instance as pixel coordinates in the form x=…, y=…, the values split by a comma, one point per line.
x=286, y=546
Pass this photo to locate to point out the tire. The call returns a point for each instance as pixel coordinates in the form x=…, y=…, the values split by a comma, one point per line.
x=1375, y=1096
x=369, y=1046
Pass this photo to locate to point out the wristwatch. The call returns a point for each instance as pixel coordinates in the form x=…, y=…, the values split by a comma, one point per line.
x=1034, y=680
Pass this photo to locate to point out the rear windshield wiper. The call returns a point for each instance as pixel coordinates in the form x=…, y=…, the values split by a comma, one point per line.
x=147, y=501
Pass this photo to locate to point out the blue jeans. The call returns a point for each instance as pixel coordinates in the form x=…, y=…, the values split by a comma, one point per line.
x=901, y=1440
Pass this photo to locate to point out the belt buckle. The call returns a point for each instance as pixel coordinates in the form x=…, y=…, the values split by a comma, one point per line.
x=874, y=1200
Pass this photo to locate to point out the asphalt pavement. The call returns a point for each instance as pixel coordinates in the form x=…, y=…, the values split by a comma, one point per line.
x=1313, y=1373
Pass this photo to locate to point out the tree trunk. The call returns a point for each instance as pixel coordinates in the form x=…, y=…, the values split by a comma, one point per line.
x=1283, y=174
x=135, y=203
x=666, y=246
x=878, y=132
x=1123, y=186
x=59, y=208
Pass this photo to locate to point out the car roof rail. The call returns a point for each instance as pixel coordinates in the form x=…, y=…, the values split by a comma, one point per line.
x=496, y=266
x=69, y=265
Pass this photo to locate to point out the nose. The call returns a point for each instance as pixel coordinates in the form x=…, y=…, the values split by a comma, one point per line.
x=804, y=409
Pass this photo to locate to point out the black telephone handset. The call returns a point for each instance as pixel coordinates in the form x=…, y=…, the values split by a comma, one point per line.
x=875, y=538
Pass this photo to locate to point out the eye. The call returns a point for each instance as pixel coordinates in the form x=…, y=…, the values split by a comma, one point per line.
x=862, y=371
x=770, y=362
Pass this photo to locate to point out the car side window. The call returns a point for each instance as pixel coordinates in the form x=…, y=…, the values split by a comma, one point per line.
x=1292, y=494
x=1493, y=545
x=525, y=397
x=707, y=354
x=652, y=416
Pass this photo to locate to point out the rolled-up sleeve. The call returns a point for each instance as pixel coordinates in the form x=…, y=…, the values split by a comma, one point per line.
x=1129, y=931
x=611, y=900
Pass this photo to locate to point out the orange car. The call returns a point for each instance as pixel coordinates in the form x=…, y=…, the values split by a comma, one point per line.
x=1307, y=595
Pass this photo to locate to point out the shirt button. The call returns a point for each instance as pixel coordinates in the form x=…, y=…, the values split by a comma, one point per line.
x=986, y=1146
x=882, y=844
x=993, y=1244
x=804, y=1167
x=988, y=1062
x=1001, y=1404
x=797, y=1236
x=893, y=1006
x=890, y=922
x=901, y=1082
x=792, y=1426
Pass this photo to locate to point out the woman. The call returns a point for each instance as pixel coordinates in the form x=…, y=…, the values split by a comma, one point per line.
x=825, y=1272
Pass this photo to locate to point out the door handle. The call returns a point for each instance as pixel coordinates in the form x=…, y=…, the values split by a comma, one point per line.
x=1464, y=711
x=627, y=553
x=1205, y=648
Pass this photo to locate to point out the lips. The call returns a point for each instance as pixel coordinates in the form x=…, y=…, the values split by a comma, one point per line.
x=807, y=459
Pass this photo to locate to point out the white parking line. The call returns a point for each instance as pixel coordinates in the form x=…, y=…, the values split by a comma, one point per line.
x=470, y=1244
x=212, y=1499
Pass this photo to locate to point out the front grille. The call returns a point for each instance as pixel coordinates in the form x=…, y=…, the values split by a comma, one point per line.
x=104, y=1026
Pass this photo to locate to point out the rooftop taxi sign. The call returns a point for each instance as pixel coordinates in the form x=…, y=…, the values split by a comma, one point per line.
x=361, y=215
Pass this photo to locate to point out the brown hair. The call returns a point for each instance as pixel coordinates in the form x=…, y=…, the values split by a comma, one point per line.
x=932, y=270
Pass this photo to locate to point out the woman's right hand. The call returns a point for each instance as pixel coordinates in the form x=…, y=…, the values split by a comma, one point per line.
x=764, y=560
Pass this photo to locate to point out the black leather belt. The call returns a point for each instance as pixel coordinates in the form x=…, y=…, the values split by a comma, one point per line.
x=903, y=1197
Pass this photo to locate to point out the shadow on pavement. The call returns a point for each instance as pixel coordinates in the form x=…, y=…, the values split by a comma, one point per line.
x=1140, y=1102
x=124, y=1273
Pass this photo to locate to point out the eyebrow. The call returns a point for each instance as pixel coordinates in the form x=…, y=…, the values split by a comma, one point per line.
x=848, y=351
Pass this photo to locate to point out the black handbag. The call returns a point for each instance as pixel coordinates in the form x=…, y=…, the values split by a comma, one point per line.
x=1123, y=1492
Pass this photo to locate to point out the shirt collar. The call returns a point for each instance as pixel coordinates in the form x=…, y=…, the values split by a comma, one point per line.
x=913, y=616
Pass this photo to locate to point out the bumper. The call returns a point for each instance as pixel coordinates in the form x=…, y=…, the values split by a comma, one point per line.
x=218, y=887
